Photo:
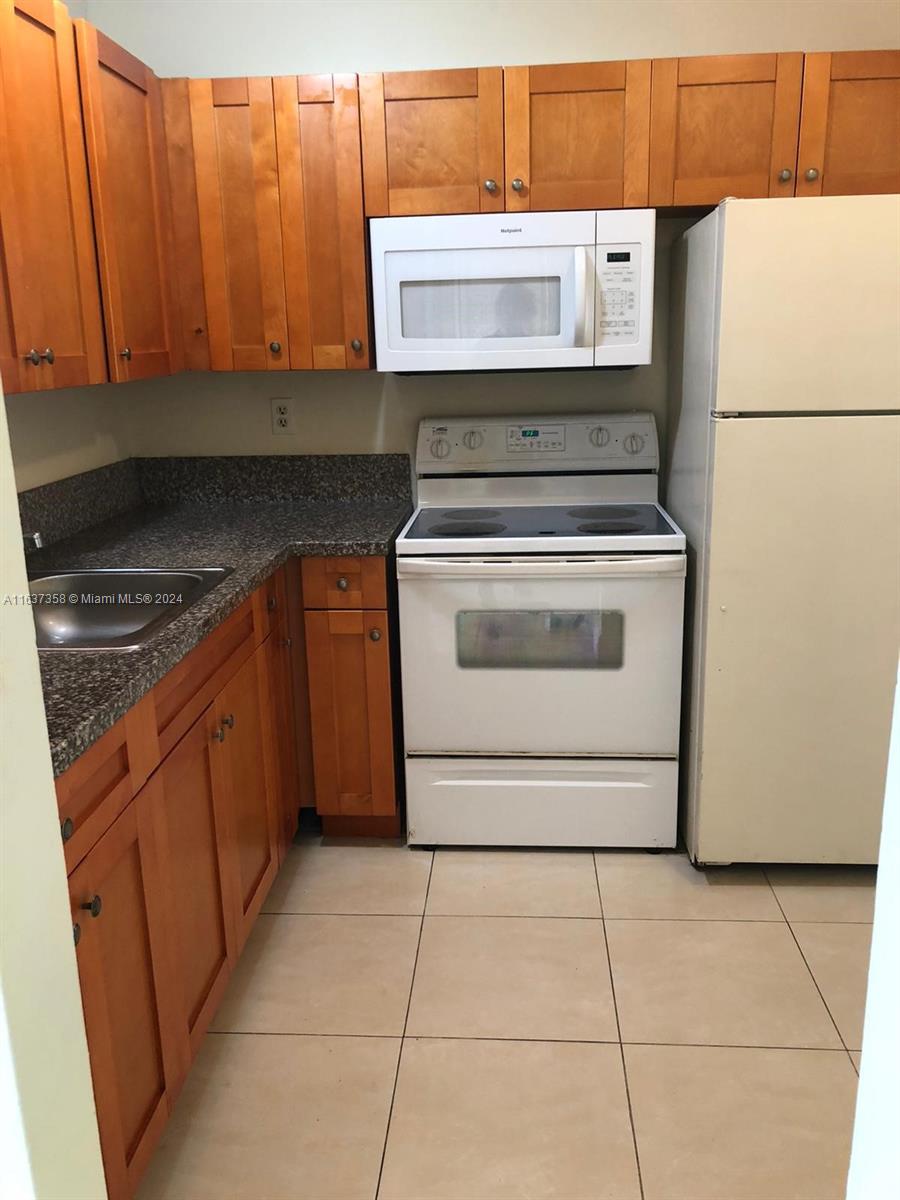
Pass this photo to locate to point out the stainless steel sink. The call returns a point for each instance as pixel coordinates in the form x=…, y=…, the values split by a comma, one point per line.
x=110, y=609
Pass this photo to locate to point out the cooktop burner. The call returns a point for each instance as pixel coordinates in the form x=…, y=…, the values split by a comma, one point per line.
x=540, y=521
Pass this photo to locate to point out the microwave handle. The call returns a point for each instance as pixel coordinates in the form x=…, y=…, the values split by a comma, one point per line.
x=669, y=564
x=580, y=294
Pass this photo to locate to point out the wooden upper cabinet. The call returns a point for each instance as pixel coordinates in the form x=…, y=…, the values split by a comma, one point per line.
x=322, y=227
x=45, y=212
x=724, y=126
x=432, y=141
x=850, y=124
x=348, y=661
x=233, y=124
x=577, y=135
x=125, y=138
x=128, y=988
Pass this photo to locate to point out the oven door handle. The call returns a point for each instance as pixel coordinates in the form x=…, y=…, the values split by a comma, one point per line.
x=668, y=564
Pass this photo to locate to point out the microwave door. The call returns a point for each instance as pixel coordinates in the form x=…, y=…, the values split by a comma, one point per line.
x=502, y=307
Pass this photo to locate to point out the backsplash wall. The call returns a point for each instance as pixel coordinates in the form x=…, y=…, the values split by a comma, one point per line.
x=56, y=434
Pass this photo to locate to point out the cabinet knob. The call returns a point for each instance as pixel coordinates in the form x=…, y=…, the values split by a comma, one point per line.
x=126, y=354
x=272, y=603
x=94, y=906
x=67, y=828
x=356, y=345
x=76, y=933
x=48, y=355
x=33, y=357
x=375, y=635
x=287, y=642
x=229, y=720
x=490, y=185
x=811, y=175
x=342, y=584
x=275, y=347
x=219, y=735
x=785, y=174
x=517, y=185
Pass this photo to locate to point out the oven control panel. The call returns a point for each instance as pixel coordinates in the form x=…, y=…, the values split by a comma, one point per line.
x=493, y=445
x=618, y=294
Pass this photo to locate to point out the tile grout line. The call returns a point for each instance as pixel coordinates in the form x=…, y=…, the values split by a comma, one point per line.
x=808, y=967
x=612, y=985
x=412, y=984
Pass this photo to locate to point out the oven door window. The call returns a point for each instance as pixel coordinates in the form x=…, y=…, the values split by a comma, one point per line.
x=549, y=639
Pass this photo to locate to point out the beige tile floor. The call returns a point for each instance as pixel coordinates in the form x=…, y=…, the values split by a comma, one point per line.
x=481, y=1025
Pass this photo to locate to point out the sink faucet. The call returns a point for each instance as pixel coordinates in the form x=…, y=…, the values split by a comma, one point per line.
x=33, y=541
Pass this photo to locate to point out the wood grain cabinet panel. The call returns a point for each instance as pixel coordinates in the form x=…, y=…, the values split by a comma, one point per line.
x=279, y=650
x=45, y=212
x=431, y=141
x=128, y=988
x=344, y=581
x=724, y=126
x=348, y=657
x=850, y=124
x=323, y=232
x=236, y=170
x=125, y=137
x=577, y=135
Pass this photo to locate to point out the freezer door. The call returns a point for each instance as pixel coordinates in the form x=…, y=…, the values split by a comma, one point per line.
x=801, y=631
x=809, y=305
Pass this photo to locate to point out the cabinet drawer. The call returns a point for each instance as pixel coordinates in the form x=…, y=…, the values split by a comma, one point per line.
x=344, y=582
x=96, y=788
x=181, y=696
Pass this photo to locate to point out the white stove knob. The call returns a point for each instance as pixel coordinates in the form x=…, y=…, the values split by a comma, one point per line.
x=440, y=448
x=472, y=439
x=634, y=443
x=599, y=436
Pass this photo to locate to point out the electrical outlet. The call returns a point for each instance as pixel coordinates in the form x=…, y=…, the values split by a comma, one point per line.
x=282, y=415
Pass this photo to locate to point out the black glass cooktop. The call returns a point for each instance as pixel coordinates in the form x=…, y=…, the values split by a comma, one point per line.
x=550, y=520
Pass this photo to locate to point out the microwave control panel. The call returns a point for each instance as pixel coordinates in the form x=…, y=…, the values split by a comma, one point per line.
x=618, y=294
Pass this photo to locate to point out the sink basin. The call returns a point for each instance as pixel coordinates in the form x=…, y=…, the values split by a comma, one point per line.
x=109, y=609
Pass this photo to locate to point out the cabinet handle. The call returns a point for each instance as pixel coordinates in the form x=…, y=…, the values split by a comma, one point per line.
x=375, y=635
x=287, y=643
x=76, y=933
x=33, y=357
x=275, y=347
x=490, y=185
x=229, y=720
x=785, y=174
x=342, y=584
x=126, y=354
x=272, y=603
x=811, y=174
x=67, y=828
x=219, y=735
x=94, y=906
x=48, y=355
x=356, y=345
x=517, y=185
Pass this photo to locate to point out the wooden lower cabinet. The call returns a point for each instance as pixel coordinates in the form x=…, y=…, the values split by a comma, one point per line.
x=279, y=647
x=121, y=922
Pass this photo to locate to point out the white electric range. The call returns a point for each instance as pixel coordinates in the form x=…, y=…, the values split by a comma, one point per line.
x=541, y=598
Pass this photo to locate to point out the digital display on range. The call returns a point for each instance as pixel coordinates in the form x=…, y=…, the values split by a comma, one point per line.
x=531, y=433
x=619, y=256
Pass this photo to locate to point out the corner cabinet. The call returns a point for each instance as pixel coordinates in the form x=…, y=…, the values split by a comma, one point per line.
x=53, y=335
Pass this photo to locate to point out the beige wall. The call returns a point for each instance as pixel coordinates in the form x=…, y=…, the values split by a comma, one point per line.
x=60, y=433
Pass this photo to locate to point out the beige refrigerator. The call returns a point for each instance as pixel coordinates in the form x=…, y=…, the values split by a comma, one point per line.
x=784, y=472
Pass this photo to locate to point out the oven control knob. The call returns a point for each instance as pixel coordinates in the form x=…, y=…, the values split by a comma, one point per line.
x=599, y=436
x=440, y=448
x=472, y=439
x=634, y=443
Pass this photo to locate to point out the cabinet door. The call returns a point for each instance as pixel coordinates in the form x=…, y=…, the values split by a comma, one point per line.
x=193, y=809
x=850, y=124
x=279, y=648
x=432, y=142
x=350, y=710
x=125, y=139
x=724, y=126
x=243, y=716
x=322, y=227
x=45, y=213
x=127, y=988
x=236, y=169
x=577, y=135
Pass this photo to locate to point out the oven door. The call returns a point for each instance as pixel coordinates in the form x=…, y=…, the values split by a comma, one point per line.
x=542, y=656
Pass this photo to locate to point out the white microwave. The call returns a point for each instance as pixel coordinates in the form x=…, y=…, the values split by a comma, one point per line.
x=513, y=291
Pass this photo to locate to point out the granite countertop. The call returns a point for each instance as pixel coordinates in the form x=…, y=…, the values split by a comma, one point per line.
x=87, y=691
